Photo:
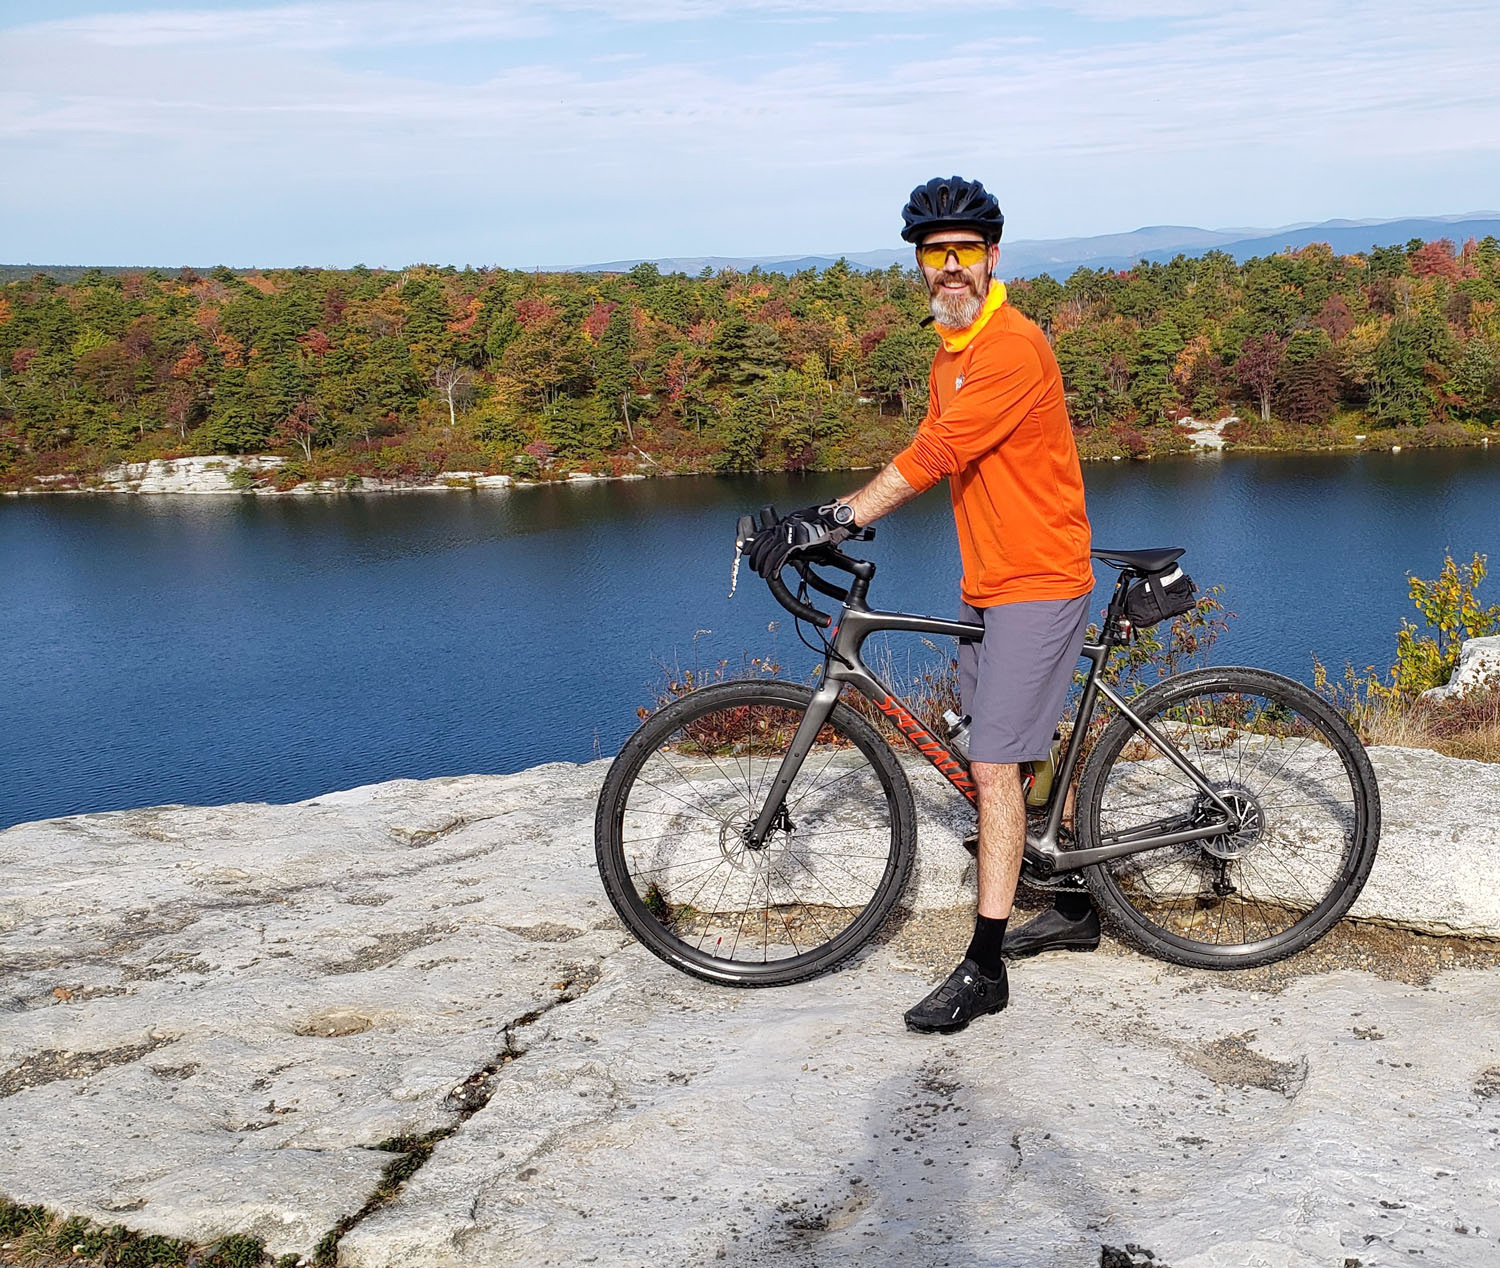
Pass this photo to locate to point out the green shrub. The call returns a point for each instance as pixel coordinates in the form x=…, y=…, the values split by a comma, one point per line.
x=236, y=1251
x=16, y=1220
x=1451, y=609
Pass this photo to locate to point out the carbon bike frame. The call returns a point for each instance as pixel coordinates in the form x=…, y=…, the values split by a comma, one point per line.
x=843, y=665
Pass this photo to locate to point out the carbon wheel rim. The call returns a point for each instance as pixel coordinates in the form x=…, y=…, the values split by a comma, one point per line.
x=1299, y=817
x=703, y=892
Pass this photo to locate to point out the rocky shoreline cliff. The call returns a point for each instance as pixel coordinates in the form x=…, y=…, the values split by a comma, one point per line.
x=233, y=1019
x=258, y=475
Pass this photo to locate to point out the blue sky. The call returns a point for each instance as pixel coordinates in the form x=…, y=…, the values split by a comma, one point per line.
x=388, y=132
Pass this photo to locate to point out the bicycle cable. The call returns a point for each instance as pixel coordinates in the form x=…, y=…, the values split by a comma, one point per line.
x=826, y=647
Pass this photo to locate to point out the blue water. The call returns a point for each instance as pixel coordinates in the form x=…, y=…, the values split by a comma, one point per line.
x=204, y=650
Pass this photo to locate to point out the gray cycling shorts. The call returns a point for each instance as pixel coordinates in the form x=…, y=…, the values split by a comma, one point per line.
x=1014, y=684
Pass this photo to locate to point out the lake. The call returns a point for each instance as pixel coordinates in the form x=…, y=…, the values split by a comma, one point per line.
x=206, y=650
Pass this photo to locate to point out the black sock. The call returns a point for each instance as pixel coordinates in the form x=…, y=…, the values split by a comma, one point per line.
x=1074, y=904
x=984, y=949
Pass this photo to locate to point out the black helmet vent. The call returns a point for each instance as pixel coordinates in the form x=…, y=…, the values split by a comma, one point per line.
x=951, y=202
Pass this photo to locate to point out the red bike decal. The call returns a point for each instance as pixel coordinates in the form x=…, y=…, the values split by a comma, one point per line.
x=952, y=769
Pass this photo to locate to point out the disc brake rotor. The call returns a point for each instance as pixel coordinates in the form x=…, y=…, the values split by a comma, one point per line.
x=1246, y=808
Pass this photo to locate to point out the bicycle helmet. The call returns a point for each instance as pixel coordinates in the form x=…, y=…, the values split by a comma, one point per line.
x=951, y=203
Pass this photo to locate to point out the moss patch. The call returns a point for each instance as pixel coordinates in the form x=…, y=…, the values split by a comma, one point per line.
x=412, y=1152
x=36, y=1238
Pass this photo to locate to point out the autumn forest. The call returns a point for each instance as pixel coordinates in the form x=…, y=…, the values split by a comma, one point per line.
x=405, y=374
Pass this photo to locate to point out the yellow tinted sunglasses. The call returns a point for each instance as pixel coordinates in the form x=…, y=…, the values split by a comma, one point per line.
x=935, y=254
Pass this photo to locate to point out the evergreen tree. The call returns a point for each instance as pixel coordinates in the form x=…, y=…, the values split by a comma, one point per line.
x=741, y=432
x=1151, y=387
x=1408, y=362
x=1308, y=383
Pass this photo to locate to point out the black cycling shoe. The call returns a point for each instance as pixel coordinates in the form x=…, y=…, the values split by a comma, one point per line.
x=965, y=995
x=1070, y=925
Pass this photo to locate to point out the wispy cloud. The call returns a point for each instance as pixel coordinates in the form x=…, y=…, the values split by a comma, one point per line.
x=303, y=26
x=701, y=123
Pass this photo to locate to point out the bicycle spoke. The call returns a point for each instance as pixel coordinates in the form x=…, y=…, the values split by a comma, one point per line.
x=809, y=908
x=700, y=894
x=1292, y=791
x=733, y=782
x=856, y=770
x=666, y=792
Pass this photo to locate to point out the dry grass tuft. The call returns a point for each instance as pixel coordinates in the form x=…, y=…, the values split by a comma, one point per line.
x=1466, y=726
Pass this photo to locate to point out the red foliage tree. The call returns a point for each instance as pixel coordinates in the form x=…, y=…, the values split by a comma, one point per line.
x=598, y=318
x=188, y=363
x=137, y=340
x=676, y=378
x=334, y=304
x=1437, y=259
x=179, y=407
x=300, y=427
x=464, y=323
x=533, y=311
x=1309, y=387
x=1335, y=318
x=1258, y=363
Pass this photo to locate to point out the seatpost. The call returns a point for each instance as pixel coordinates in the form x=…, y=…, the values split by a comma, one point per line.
x=1115, y=624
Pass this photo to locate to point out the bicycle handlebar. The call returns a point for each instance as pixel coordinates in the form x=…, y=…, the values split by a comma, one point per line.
x=803, y=562
x=794, y=605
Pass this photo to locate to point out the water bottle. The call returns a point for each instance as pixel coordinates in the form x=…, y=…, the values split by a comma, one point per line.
x=958, y=733
x=1042, y=775
x=1036, y=777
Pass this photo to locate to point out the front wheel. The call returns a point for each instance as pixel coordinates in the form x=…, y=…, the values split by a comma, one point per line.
x=1302, y=792
x=671, y=835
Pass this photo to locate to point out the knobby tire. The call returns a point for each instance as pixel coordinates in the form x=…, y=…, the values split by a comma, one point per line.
x=670, y=836
x=1310, y=803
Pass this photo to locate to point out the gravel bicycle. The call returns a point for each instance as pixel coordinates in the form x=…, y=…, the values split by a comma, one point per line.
x=757, y=833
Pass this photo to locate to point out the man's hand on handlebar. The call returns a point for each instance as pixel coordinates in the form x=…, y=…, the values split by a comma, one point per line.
x=812, y=526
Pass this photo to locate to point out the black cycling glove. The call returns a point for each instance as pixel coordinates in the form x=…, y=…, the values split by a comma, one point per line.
x=770, y=548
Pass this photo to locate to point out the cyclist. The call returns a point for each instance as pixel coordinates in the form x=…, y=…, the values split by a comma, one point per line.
x=997, y=427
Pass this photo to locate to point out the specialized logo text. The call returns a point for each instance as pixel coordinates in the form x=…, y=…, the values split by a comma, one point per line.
x=953, y=770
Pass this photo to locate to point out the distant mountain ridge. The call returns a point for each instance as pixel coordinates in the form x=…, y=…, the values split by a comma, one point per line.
x=1027, y=257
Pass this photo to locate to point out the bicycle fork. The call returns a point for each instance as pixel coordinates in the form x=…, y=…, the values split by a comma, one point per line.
x=773, y=813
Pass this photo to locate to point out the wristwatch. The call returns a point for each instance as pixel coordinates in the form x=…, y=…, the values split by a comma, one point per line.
x=843, y=514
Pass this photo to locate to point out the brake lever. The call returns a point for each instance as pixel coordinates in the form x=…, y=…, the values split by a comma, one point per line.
x=743, y=532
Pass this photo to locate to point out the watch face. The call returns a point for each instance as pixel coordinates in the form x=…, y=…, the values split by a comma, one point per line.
x=843, y=514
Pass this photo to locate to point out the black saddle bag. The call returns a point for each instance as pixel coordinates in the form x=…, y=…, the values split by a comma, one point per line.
x=1159, y=596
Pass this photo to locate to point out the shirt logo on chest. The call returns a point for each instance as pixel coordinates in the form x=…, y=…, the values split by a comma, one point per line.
x=958, y=382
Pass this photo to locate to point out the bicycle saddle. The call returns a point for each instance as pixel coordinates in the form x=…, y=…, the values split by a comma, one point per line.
x=1156, y=560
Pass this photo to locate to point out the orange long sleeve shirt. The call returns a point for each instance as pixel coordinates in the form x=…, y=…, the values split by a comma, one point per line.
x=997, y=427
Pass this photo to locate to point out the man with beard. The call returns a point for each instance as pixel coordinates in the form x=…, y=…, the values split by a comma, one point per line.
x=997, y=427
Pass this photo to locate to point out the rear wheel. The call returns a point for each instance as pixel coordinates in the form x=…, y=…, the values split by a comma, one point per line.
x=674, y=818
x=1301, y=790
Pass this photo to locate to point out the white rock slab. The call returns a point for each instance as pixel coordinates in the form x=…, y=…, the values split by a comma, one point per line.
x=472, y=480
x=662, y=1121
x=1208, y=435
x=209, y=1017
x=1438, y=867
x=185, y=475
x=245, y=1000
x=1478, y=666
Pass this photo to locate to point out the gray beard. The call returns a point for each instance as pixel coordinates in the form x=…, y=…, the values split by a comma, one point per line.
x=956, y=311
